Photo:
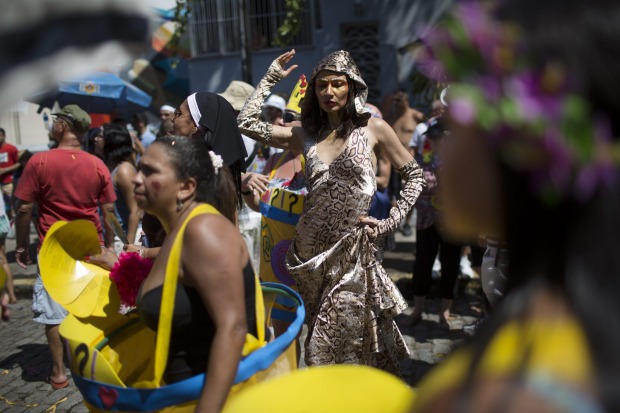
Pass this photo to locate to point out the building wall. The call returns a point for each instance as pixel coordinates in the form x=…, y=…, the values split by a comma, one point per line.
x=400, y=22
x=24, y=126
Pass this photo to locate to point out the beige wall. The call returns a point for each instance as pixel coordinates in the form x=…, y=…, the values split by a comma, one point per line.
x=24, y=126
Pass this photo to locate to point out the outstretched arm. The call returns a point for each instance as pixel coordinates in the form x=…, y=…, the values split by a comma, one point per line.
x=409, y=170
x=249, y=117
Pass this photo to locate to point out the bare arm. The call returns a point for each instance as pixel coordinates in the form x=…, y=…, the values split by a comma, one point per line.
x=213, y=258
x=22, y=231
x=137, y=145
x=384, y=169
x=108, y=238
x=249, y=117
x=123, y=179
x=389, y=145
x=252, y=187
x=257, y=185
x=10, y=169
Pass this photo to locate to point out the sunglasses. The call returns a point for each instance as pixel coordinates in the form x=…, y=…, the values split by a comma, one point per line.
x=289, y=117
x=67, y=118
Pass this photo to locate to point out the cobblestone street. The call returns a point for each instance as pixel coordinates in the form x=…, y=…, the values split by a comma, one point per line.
x=25, y=360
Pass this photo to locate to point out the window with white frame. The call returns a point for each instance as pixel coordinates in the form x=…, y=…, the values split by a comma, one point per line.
x=215, y=25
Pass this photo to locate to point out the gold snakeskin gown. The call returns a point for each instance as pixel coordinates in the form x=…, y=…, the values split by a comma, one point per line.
x=350, y=300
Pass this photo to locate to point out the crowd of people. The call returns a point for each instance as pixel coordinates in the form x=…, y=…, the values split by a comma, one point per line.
x=519, y=156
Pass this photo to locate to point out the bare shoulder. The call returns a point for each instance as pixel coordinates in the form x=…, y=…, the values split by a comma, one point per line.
x=126, y=170
x=380, y=130
x=378, y=125
x=213, y=249
x=214, y=232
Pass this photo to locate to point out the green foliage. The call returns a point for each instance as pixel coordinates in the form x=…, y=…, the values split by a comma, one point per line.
x=291, y=24
x=180, y=17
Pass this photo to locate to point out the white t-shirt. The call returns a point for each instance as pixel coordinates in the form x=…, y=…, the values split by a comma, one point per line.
x=417, y=139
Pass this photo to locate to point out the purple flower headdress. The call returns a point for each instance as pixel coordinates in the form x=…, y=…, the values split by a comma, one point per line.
x=536, y=121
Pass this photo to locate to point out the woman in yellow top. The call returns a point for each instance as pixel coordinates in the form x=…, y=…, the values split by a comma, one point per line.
x=534, y=157
x=214, y=304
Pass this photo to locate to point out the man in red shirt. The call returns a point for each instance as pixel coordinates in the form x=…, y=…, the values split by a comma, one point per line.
x=8, y=164
x=67, y=184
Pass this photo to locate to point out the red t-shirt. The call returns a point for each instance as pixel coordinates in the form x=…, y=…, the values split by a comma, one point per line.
x=66, y=185
x=8, y=157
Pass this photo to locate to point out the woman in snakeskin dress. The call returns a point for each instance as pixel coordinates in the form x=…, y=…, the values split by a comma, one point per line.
x=350, y=300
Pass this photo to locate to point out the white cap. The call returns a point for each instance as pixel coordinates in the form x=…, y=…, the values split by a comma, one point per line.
x=276, y=102
x=166, y=108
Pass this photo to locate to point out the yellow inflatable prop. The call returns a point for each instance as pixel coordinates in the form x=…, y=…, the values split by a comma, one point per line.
x=334, y=388
x=81, y=288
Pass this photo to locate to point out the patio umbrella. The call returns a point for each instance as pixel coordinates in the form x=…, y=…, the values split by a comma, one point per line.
x=98, y=92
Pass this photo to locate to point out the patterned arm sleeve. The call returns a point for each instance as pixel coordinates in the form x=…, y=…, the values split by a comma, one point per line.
x=249, y=118
x=414, y=183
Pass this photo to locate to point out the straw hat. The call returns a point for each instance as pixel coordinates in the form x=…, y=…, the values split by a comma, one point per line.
x=237, y=93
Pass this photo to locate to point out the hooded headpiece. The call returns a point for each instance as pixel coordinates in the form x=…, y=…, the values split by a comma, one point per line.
x=342, y=62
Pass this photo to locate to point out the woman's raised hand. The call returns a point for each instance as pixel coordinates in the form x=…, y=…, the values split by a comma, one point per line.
x=283, y=60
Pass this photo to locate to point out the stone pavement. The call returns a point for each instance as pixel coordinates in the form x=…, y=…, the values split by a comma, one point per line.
x=428, y=342
x=25, y=360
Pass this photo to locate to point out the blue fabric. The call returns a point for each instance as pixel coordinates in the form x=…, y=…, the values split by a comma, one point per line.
x=45, y=310
x=133, y=399
x=278, y=214
x=380, y=205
